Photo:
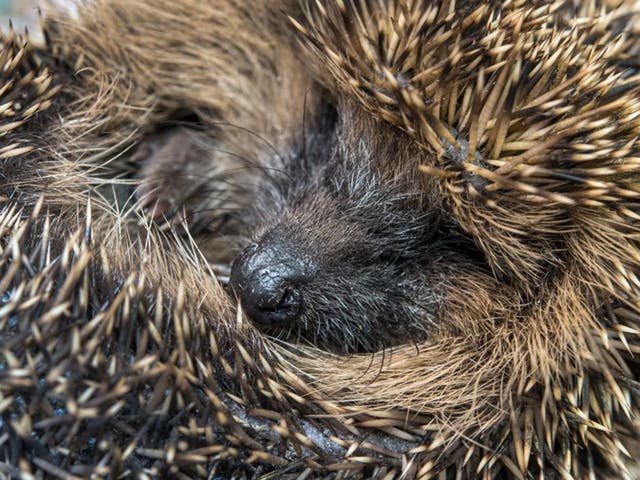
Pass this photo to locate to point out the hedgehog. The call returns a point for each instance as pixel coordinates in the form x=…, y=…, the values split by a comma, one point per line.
x=146, y=150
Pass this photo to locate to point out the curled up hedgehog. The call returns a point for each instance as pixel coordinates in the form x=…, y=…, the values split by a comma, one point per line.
x=339, y=239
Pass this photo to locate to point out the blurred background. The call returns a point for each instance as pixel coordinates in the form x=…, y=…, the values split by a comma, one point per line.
x=24, y=13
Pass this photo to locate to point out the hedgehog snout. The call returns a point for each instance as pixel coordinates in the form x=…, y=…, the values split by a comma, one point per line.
x=268, y=281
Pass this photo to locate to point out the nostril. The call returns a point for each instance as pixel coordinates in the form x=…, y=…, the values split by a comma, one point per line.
x=268, y=285
x=268, y=300
x=290, y=299
x=283, y=307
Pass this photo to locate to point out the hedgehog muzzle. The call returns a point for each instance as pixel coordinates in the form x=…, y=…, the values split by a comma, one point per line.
x=267, y=279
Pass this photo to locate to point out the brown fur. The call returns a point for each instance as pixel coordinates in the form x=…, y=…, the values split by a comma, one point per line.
x=532, y=367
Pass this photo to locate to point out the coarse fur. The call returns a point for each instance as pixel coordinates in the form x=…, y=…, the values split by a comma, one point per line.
x=122, y=354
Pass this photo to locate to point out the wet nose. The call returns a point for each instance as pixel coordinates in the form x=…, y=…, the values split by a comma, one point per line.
x=267, y=281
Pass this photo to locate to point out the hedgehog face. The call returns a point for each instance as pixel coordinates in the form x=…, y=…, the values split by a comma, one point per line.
x=345, y=246
x=342, y=241
x=336, y=266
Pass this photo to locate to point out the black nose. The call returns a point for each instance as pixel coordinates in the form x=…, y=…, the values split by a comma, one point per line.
x=267, y=280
